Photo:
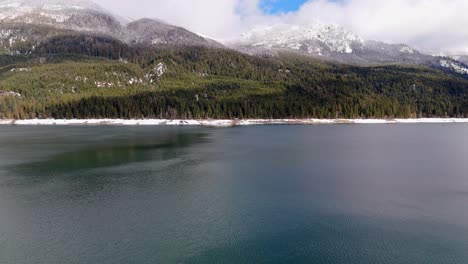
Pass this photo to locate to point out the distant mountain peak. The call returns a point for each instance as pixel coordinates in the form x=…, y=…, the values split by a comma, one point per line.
x=313, y=38
x=329, y=42
x=78, y=15
x=154, y=31
x=49, y=4
x=59, y=10
x=20, y=20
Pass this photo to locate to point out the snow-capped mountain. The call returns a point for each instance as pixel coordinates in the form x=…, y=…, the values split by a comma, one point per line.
x=19, y=7
x=316, y=39
x=27, y=24
x=153, y=32
x=329, y=42
x=70, y=14
x=31, y=22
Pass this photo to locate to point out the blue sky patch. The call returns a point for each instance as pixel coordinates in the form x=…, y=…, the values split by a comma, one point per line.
x=280, y=6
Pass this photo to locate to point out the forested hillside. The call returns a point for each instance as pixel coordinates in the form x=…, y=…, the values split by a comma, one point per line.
x=84, y=76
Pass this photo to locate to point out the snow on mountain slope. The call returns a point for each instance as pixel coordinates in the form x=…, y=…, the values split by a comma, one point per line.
x=15, y=8
x=31, y=22
x=26, y=24
x=153, y=32
x=454, y=65
x=80, y=15
x=27, y=5
x=328, y=42
x=314, y=39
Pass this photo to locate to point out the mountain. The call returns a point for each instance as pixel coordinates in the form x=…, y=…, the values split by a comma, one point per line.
x=316, y=39
x=153, y=32
x=17, y=8
x=79, y=15
x=27, y=24
x=324, y=41
x=330, y=42
x=456, y=66
x=180, y=82
x=73, y=59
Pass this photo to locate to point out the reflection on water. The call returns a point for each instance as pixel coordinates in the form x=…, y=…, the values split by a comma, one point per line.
x=110, y=155
x=279, y=194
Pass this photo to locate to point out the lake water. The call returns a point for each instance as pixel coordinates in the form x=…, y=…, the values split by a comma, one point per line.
x=265, y=194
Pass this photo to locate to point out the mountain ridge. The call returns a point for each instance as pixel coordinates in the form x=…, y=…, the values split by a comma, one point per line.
x=334, y=43
x=326, y=42
x=89, y=18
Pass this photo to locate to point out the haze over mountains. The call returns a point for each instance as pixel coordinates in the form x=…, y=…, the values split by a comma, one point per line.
x=20, y=19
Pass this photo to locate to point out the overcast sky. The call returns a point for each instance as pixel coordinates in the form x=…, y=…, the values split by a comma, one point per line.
x=431, y=25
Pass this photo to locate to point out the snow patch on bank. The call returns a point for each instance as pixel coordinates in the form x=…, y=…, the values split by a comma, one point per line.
x=228, y=123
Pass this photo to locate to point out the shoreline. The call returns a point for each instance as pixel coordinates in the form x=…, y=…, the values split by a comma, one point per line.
x=228, y=123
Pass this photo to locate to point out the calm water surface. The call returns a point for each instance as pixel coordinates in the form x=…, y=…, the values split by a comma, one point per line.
x=268, y=194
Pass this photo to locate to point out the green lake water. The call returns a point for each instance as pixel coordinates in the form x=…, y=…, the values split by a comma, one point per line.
x=263, y=194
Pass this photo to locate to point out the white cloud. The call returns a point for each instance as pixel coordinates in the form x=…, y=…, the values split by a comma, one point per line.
x=216, y=18
x=433, y=25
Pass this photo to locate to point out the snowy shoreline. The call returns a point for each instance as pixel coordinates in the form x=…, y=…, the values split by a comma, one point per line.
x=228, y=123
